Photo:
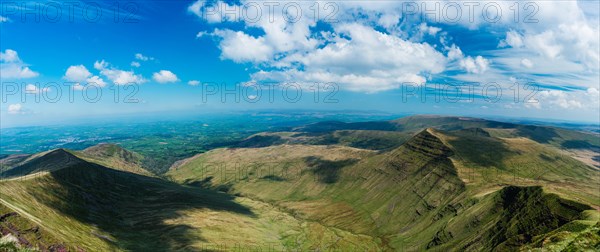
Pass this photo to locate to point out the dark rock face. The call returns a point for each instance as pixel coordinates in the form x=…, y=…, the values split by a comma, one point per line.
x=526, y=212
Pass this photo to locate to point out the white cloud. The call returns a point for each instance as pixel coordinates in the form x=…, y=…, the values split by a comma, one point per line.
x=12, y=67
x=81, y=74
x=544, y=44
x=241, y=47
x=430, y=30
x=96, y=81
x=559, y=98
x=78, y=87
x=15, y=108
x=193, y=83
x=533, y=104
x=9, y=56
x=587, y=99
x=4, y=19
x=513, y=39
x=526, y=63
x=356, y=56
x=201, y=34
x=211, y=13
x=33, y=89
x=360, y=59
x=294, y=51
x=14, y=71
x=141, y=57
x=165, y=76
x=99, y=65
x=389, y=20
x=454, y=53
x=92, y=81
x=566, y=34
x=117, y=76
x=77, y=73
x=593, y=92
x=120, y=77
x=477, y=65
x=135, y=64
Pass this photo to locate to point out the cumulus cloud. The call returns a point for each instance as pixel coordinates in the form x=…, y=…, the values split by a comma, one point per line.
x=353, y=55
x=585, y=99
x=477, y=65
x=4, y=19
x=165, y=76
x=241, y=47
x=33, y=89
x=142, y=57
x=566, y=34
x=78, y=87
x=96, y=81
x=564, y=44
x=117, y=76
x=389, y=20
x=357, y=57
x=99, y=65
x=15, y=109
x=430, y=30
x=121, y=77
x=12, y=67
x=454, y=53
x=513, y=39
x=80, y=74
x=193, y=83
x=135, y=64
x=9, y=56
x=593, y=92
x=559, y=98
x=77, y=73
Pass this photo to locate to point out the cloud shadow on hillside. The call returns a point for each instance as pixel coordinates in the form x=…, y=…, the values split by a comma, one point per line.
x=133, y=209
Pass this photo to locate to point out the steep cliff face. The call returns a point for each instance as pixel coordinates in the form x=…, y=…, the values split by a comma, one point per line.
x=424, y=165
x=526, y=212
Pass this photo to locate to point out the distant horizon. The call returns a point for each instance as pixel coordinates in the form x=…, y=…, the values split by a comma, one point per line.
x=186, y=115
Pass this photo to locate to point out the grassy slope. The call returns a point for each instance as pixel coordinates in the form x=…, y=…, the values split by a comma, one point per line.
x=26, y=232
x=494, y=162
x=114, y=156
x=99, y=208
x=364, y=139
x=403, y=197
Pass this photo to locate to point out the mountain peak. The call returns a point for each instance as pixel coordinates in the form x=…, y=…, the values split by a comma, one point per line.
x=45, y=162
x=425, y=142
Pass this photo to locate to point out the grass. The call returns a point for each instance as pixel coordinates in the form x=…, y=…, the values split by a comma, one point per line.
x=99, y=208
x=417, y=188
x=467, y=185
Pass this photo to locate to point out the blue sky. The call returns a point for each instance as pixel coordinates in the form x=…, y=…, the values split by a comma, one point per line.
x=174, y=55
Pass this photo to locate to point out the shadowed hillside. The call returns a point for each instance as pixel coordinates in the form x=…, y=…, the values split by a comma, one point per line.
x=110, y=208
